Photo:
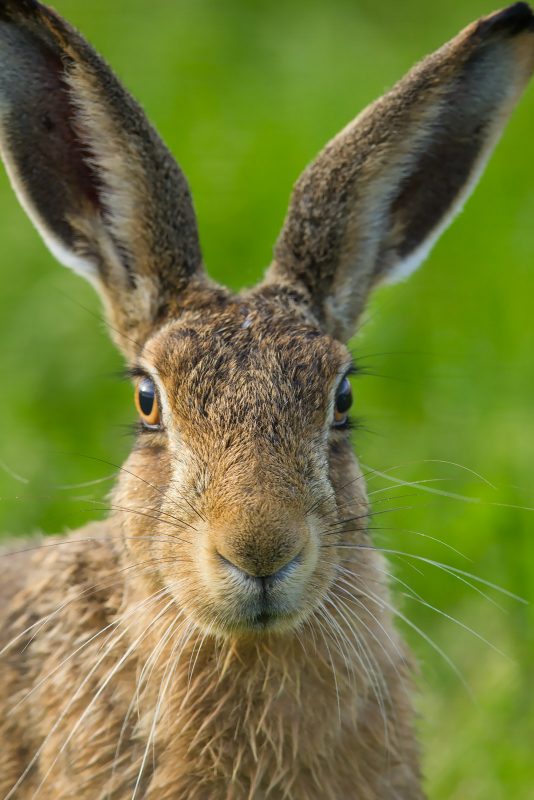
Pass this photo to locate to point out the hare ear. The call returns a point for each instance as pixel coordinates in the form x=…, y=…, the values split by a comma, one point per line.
x=374, y=202
x=94, y=177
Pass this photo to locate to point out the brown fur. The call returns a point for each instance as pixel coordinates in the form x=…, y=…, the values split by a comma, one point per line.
x=139, y=657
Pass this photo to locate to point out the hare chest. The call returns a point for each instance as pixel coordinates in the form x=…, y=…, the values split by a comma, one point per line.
x=111, y=705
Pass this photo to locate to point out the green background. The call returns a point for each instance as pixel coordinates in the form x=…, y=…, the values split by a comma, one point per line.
x=245, y=93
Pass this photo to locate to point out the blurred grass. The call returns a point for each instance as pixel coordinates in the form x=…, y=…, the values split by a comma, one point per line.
x=245, y=94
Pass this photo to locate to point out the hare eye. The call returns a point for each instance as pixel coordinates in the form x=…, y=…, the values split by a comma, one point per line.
x=343, y=403
x=147, y=402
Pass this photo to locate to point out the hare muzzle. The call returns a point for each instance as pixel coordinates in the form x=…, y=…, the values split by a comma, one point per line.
x=264, y=562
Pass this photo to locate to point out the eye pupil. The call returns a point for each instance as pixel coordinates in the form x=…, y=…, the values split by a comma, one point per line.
x=146, y=401
x=344, y=397
x=146, y=396
x=342, y=404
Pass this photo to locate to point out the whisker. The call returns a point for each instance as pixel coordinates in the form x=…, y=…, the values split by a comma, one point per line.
x=407, y=484
x=388, y=574
x=427, y=536
x=85, y=484
x=338, y=490
x=12, y=474
x=387, y=499
x=191, y=506
x=386, y=473
x=460, y=624
x=318, y=614
x=440, y=565
x=101, y=507
x=462, y=467
x=382, y=603
x=95, y=588
x=167, y=675
x=132, y=474
x=340, y=641
x=410, y=595
x=370, y=667
x=423, y=488
x=172, y=630
x=56, y=669
x=445, y=567
x=101, y=688
x=58, y=722
x=369, y=514
x=373, y=617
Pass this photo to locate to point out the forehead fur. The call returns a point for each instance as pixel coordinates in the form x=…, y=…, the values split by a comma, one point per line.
x=247, y=364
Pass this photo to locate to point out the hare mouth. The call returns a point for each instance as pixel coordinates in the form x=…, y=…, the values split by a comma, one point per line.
x=263, y=619
x=270, y=608
x=258, y=605
x=266, y=619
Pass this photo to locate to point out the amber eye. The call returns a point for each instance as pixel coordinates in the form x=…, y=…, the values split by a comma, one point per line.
x=343, y=403
x=147, y=402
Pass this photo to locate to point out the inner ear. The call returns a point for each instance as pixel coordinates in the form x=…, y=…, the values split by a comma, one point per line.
x=417, y=191
x=49, y=164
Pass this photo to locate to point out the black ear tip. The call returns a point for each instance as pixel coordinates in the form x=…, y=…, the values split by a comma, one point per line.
x=18, y=3
x=510, y=21
x=10, y=7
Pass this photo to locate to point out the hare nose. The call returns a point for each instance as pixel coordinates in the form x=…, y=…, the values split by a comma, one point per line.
x=264, y=551
x=265, y=581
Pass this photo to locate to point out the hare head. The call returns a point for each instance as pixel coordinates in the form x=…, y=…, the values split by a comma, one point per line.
x=242, y=475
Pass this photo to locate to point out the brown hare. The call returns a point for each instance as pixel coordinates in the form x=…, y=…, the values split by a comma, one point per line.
x=227, y=632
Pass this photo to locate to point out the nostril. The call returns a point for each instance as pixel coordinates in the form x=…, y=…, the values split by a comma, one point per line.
x=280, y=574
x=285, y=571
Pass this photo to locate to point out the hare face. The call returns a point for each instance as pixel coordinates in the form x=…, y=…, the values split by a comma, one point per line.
x=234, y=496
x=243, y=464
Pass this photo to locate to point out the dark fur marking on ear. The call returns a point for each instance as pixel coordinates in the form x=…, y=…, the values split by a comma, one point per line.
x=512, y=20
x=10, y=7
x=431, y=200
x=39, y=128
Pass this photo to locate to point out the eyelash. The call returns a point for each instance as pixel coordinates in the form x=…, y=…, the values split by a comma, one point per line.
x=133, y=373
